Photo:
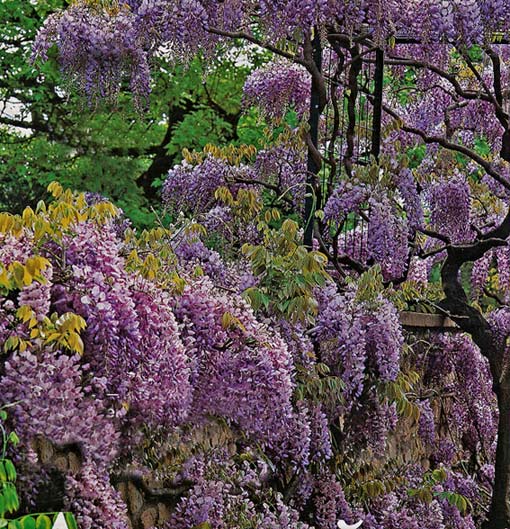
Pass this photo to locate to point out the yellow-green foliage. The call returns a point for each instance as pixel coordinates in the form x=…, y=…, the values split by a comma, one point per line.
x=234, y=155
x=47, y=223
x=288, y=273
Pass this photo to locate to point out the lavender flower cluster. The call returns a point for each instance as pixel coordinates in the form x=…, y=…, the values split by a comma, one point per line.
x=100, y=44
x=387, y=238
x=190, y=188
x=158, y=363
x=360, y=340
x=347, y=197
x=454, y=364
x=450, y=209
x=152, y=361
x=277, y=87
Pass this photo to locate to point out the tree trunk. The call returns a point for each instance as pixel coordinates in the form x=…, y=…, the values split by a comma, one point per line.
x=499, y=516
x=313, y=167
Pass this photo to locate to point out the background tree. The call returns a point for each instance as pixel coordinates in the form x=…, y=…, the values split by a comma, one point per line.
x=49, y=134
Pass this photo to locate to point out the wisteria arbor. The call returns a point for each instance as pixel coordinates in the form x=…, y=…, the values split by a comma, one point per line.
x=403, y=163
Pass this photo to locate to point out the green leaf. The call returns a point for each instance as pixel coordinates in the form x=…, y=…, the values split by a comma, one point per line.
x=439, y=475
x=3, y=415
x=10, y=470
x=13, y=438
x=27, y=522
x=11, y=498
x=71, y=520
x=43, y=522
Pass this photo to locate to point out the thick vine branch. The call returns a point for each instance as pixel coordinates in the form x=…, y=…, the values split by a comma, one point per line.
x=250, y=38
x=451, y=146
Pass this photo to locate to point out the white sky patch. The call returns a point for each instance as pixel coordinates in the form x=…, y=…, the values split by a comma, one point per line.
x=15, y=109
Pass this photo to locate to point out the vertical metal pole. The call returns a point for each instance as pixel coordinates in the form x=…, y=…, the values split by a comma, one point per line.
x=313, y=167
x=378, y=100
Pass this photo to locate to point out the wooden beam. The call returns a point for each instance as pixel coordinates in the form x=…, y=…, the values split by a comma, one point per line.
x=420, y=320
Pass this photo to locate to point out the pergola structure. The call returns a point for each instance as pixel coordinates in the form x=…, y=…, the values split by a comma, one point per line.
x=363, y=79
x=353, y=121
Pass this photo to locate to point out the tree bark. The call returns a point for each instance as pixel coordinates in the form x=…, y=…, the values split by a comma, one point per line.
x=313, y=165
x=499, y=516
x=472, y=321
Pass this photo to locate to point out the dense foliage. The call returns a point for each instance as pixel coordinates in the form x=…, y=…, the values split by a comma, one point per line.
x=124, y=347
x=246, y=354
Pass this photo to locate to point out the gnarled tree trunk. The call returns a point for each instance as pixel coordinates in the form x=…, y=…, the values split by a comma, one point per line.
x=499, y=516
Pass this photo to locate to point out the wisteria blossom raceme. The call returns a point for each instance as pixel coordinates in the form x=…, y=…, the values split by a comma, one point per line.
x=387, y=238
x=277, y=87
x=91, y=497
x=406, y=185
x=450, y=205
x=151, y=359
x=164, y=360
x=118, y=341
x=100, y=44
x=456, y=362
x=359, y=340
x=334, y=325
x=330, y=501
x=190, y=188
x=98, y=48
x=192, y=252
x=384, y=233
x=244, y=371
x=348, y=197
x=427, y=423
